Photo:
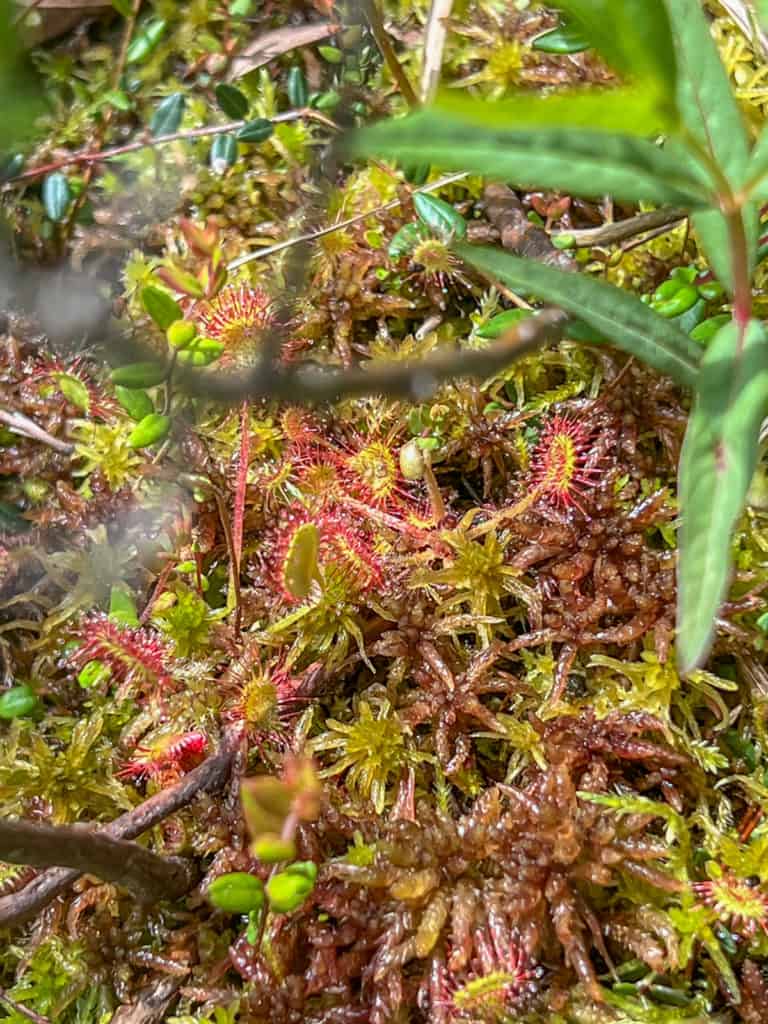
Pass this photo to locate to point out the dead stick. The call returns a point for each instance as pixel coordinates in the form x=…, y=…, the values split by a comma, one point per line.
x=607, y=234
x=207, y=777
x=147, y=875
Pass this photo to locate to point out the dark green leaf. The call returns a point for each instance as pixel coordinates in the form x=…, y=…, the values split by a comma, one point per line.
x=223, y=153
x=614, y=313
x=716, y=466
x=233, y=102
x=561, y=40
x=138, y=375
x=258, y=130
x=11, y=165
x=163, y=309
x=145, y=42
x=580, y=161
x=136, y=403
x=167, y=117
x=707, y=106
x=56, y=196
x=439, y=216
x=633, y=35
x=124, y=7
x=298, y=93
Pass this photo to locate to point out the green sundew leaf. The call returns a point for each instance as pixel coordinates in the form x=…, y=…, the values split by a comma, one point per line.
x=634, y=36
x=57, y=196
x=300, y=567
x=712, y=231
x=163, y=309
x=613, y=313
x=580, y=161
x=233, y=102
x=256, y=131
x=223, y=153
x=167, y=117
x=629, y=110
x=707, y=106
x=716, y=466
x=122, y=607
x=439, y=216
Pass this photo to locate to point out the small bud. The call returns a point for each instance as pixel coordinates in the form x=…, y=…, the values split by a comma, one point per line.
x=412, y=461
x=181, y=333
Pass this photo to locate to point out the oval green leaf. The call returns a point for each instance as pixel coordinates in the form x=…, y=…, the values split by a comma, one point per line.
x=298, y=93
x=138, y=375
x=57, y=196
x=223, y=153
x=17, y=702
x=167, y=117
x=150, y=430
x=233, y=102
x=561, y=40
x=161, y=306
x=258, y=130
x=236, y=893
x=439, y=216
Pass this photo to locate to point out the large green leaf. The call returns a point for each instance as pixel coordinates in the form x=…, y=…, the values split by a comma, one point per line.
x=707, y=106
x=631, y=110
x=584, y=162
x=718, y=460
x=634, y=36
x=629, y=323
x=21, y=95
x=712, y=230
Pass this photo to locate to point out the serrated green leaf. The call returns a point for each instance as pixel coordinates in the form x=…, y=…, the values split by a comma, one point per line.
x=614, y=313
x=716, y=466
x=223, y=153
x=233, y=102
x=708, y=107
x=167, y=117
x=57, y=196
x=163, y=309
x=634, y=36
x=581, y=161
x=439, y=216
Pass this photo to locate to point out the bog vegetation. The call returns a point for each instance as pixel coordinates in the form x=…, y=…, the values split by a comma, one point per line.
x=383, y=535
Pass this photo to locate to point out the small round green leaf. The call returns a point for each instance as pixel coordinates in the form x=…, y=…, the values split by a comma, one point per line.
x=286, y=891
x=439, y=216
x=223, y=153
x=237, y=893
x=258, y=130
x=167, y=117
x=150, y=430
x=181, y=334
x=161, y=306
x=136, y=403
x=17, y=702
x=57, y=196
x=233, y=102
x=331, y=54
x=298, y=93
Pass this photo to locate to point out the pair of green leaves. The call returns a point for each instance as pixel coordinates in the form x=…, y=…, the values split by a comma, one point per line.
x=590, y=143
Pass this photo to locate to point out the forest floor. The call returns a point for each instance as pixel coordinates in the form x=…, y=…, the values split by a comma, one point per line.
x=476, y=787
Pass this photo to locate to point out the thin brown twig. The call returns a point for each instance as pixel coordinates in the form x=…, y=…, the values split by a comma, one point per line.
x=311, y=236
x=380, y=34
x=617, y=231
x=23, y=425
x=96, y=156
x=147, y=875
x=208, y=777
